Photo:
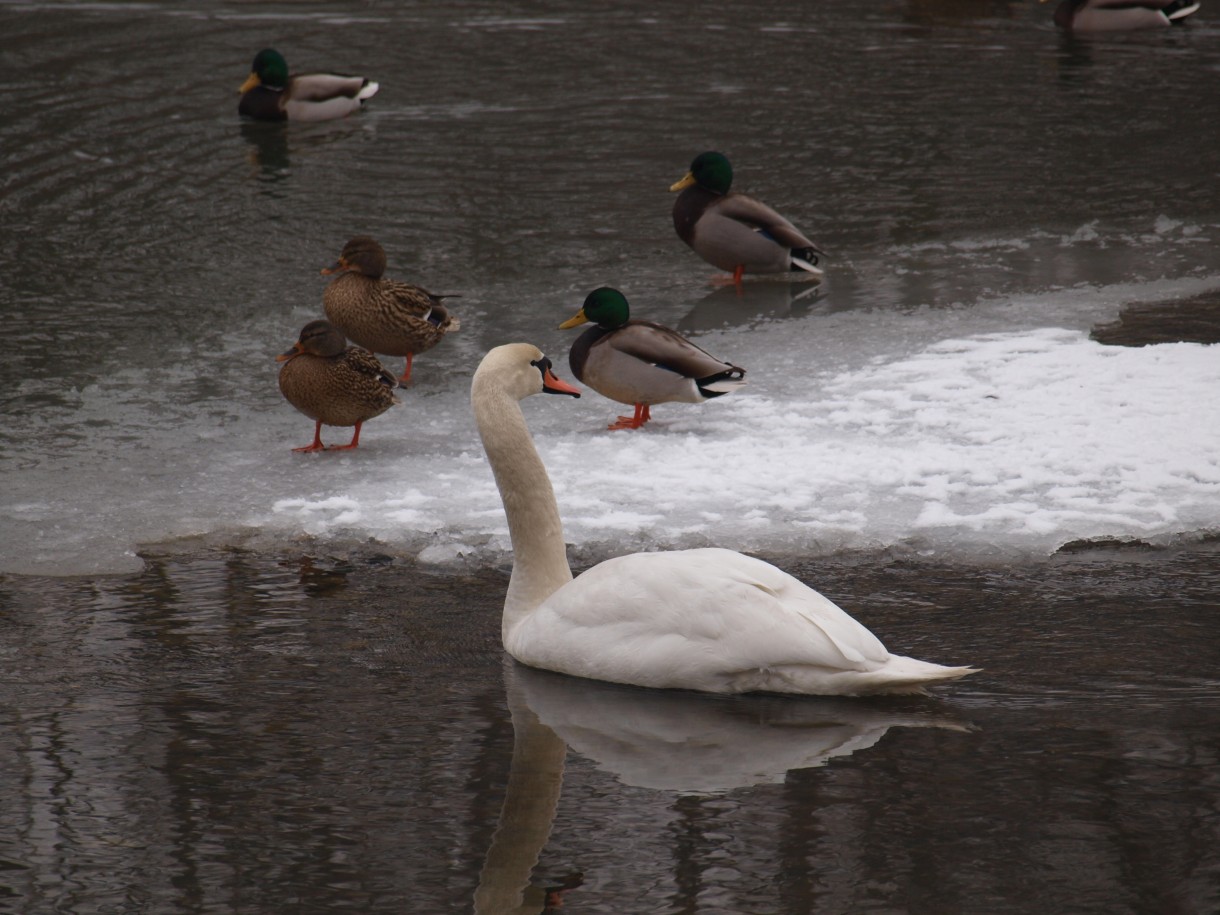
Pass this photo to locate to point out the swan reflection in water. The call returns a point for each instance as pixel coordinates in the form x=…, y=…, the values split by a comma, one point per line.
x=682, y=742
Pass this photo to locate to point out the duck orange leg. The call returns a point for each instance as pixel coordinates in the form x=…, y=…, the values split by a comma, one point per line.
x=406, y=374
x=642, y=414
x=350, y=445
x=317, y=440
x=721, y=280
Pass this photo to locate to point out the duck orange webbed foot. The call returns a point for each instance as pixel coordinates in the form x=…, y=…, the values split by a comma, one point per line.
x=642, y=415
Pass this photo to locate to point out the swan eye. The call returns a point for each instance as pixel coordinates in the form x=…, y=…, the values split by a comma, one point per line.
x=543, y=365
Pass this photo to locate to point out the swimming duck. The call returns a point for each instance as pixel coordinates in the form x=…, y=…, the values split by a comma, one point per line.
x=383, y=316
x=735, y=232
x=270, y=94
x=333, y=383
x=1120, y=15
x=712, y=620
x=641, y=363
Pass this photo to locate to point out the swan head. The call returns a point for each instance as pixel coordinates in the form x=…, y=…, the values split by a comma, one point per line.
x=520, y=370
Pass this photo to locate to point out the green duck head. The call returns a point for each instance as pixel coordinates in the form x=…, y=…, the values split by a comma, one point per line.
x=709, y=170
x=605, y=307
x=269, y=69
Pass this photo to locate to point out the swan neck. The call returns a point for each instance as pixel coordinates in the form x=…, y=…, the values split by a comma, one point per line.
x=540, y=560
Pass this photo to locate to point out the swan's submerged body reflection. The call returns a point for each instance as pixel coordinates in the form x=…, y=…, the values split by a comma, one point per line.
x=681, y=742
x=692, y=743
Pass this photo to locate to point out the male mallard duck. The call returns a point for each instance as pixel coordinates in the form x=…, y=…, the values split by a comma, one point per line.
x=1120, y=15
x=333, y=383
x=641, y=363
x=383, y=316
x=270, y=94
x=735, y=232
x=707, y=619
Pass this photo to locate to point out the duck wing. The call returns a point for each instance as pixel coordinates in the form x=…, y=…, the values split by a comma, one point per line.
x=364, y=364
x=416, y=302
x=665, y=348
x=325, y=96
x=759, y=216
x=320, y=87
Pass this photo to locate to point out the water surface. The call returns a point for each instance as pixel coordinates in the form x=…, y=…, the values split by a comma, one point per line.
x=236, y=732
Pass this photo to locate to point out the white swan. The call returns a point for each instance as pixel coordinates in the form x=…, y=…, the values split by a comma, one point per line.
x=709, y=619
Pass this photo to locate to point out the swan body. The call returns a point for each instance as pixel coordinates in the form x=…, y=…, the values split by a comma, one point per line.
x=1121, y=15
x=270, y=94
x=735, y=232
x=707, y=619
x=640, y=363
x=384, y=316
x=333, y=383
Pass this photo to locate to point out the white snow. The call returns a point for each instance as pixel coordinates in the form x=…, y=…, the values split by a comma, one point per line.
x=934, y=432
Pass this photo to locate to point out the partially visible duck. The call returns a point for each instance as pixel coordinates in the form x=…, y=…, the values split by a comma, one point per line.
x=641, y=363
x=1121, y=15
x=735, y=232
x=383, y=316
x=270, y=94
x=333, y=383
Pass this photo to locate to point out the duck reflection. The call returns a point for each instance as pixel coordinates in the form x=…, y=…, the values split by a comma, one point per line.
x=1075, y=58
x=268, y=149
x=728, y=306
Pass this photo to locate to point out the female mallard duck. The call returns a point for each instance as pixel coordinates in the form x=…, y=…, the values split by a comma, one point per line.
x=735, y=232
x=270, y=94
x=383, y=316
x=1120, y=15
x=706, y=619
x=641, y=363
x=333, y=383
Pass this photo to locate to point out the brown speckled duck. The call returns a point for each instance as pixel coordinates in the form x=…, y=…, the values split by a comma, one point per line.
x=1121, y=15
x=735, y=232
x=383, y=316
x=270, y=94
x=641, y=363
x=333, y=383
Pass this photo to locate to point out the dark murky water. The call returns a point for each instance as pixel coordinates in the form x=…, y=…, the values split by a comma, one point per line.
x=238, y=733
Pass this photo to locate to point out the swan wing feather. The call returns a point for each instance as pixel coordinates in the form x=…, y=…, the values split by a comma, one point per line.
x=691, y=618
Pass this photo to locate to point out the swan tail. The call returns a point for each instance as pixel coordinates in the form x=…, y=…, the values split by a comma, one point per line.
x=368, y=90
x=908, y=675
x=897, y=676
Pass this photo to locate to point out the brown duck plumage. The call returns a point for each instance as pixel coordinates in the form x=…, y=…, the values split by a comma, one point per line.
x=383, y=316
x=333, y=383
